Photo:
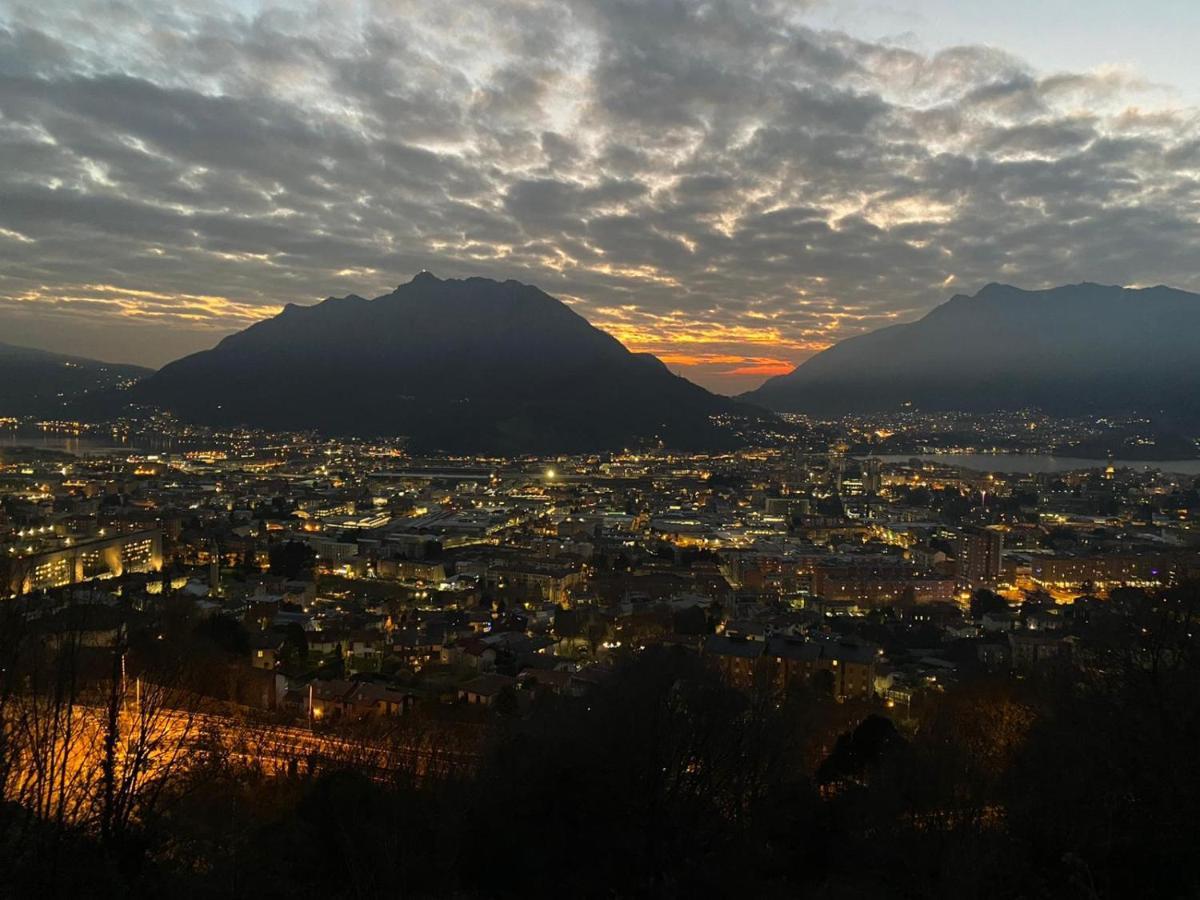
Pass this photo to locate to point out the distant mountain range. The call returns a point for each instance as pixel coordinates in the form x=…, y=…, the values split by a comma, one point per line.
x=459, y=366
x=1079, y=349
x=479, y=366
x=40, y=383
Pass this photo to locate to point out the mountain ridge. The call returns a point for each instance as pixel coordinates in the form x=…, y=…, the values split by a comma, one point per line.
x=36, y=382
x=1073, y=349
x=471, y=365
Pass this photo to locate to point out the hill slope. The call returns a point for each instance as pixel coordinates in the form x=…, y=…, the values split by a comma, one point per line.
x=40, y=383
x=1083, y=348
x=463, y=366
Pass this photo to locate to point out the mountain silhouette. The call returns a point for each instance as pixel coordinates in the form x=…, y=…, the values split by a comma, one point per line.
x=470, y=365
x=1079, y=349
x=40, y=383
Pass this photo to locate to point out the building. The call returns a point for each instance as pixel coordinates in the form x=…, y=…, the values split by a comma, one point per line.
x=870, y=585
x=71, y=561
x=979, y=552
x=785, y=663
x=850, y=666
x=1031, y=650
x=411, y=570
x=872, y=474
x=1102, y=571
x=265, y=650
x=484, y=689
x=536, y=581
x=737, y=659
x=339, y=699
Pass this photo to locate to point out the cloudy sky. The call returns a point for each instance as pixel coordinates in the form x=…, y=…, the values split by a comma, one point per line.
x=730, y=185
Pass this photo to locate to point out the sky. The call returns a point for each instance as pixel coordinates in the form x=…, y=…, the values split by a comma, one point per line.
x=732, y=186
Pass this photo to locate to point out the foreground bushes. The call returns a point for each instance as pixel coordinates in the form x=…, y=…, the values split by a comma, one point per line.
x=667, y=783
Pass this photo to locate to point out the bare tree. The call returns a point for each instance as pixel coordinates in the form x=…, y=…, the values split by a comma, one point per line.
x=90, y=735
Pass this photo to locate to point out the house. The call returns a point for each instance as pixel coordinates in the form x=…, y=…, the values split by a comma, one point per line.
x=338, y=699
x=327, y=642
x=257, y=687
x=993, y=622
x=265, y=649
x=363, y=650
x=484, y=689
x=1032, y=650
x=371, y=699
x=416, y=646
x=329, y=700
x=556, y=681
x=472, y=653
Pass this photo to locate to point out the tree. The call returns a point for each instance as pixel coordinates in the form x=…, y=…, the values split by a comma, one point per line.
x=13, y=572
x=567, y=623
x=691, y=620
x=984, y=601
x=506, y=703
x=295, y=645
x=291, y=559
x=861, y=750
x=596, y=632
x=225, y=633
x=249, y=562
x=90, y=736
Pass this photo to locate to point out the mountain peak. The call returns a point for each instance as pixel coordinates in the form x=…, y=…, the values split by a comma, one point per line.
x=996, y=287
x=1080, y=348
x=425, y=277
x=471, y=365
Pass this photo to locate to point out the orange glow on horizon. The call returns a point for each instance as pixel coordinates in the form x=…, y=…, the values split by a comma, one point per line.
x=762, y=370
x=715, y=349
x=749, y=366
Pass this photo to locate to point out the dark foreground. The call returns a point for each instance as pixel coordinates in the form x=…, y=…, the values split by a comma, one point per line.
x=665, y=782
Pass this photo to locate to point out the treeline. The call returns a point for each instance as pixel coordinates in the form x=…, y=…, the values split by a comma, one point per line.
x=1081, y=782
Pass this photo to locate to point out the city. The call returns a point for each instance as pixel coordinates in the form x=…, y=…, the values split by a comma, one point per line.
x=604, y=449
x=295, y=604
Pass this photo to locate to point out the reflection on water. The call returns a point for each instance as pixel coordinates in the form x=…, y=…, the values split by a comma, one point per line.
x=78, y=444
x=1038, y=463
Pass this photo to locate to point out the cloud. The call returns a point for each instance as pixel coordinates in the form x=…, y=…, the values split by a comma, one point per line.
x=715, y=182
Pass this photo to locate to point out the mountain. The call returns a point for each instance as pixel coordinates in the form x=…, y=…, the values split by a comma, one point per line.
x=40, y=383
x=1079, y=349
x=460, y=366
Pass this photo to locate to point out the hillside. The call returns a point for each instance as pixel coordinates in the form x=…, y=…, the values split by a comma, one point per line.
x=40, y=383
x=1083, y=348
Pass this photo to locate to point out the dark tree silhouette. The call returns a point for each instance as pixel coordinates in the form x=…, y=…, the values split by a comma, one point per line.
x=291, y=559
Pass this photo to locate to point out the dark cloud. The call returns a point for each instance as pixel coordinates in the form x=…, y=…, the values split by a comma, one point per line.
x=714, y=181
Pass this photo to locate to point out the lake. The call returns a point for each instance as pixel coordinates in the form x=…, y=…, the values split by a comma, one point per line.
x=1041, y=463
x=78, y=445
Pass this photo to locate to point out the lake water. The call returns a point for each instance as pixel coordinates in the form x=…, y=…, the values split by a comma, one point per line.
x=78, y=445
x=1040, y=463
